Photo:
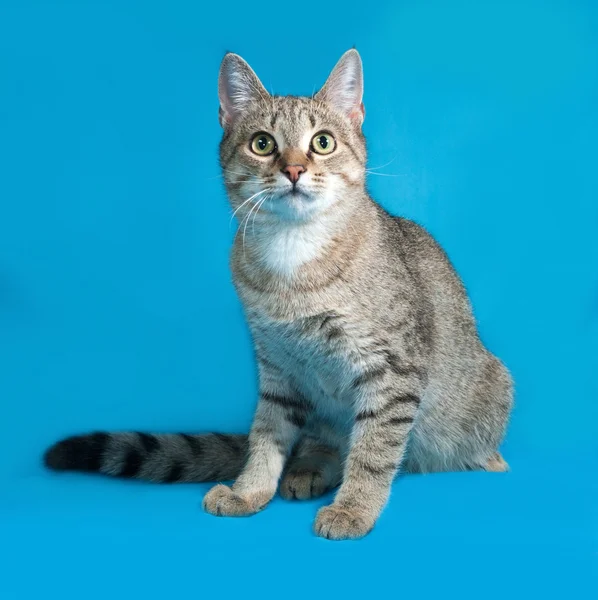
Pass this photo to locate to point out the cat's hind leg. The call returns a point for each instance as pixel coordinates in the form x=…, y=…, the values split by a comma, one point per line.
x=496, y=464
x=462, y=421
x=314, y=467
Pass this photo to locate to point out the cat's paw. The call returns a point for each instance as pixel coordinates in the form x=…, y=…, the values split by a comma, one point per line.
x=339, y=523
x=221, y=501
x=303, y=484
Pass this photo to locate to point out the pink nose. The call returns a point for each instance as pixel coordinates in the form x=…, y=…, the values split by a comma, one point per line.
x=293, y=172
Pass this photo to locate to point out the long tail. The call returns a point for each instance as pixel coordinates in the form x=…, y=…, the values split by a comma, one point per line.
x=162, y=458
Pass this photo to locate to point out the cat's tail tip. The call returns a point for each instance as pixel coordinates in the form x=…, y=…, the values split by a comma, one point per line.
x=76, y=453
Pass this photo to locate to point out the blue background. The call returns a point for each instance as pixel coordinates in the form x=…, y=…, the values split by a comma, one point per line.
x=117, y=310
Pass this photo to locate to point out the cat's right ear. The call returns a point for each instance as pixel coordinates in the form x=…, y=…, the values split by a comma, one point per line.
x=238, y=88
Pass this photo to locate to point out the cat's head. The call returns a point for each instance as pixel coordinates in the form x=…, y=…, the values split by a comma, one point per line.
x=291, y=158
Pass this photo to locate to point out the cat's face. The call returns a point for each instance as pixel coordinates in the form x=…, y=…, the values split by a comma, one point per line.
x=289, y=158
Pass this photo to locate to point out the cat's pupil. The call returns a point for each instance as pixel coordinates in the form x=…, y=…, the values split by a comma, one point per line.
x=262, y=143
x=323, y=141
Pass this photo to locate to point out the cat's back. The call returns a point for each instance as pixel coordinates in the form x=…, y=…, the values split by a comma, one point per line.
x=424, y=258
x=439, y=286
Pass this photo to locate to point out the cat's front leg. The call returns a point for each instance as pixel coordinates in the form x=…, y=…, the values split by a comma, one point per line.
x=280, y=415
x=386, y=406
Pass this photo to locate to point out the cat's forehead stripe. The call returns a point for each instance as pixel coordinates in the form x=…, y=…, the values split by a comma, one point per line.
x=292, y=121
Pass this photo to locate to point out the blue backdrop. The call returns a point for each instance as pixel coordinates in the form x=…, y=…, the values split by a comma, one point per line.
x=117, y=309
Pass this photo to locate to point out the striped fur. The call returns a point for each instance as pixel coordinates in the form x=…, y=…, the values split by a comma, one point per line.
x=369, y=358
x=159, y=458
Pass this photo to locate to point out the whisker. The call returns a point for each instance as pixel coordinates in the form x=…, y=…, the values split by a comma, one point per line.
x=257, y=210
x=385, y=174
x=372, y=170
x=242, y=205
x=247, y=220
x=260, y=203
x=252, y=178
x=382, y=166
x=243, y=173
x=239, y=229
x=246, y=201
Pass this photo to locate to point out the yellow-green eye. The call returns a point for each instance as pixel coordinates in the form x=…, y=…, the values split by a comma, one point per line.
x=263, y=144
x=323, y=143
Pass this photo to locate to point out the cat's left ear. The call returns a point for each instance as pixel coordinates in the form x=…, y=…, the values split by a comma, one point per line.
x=238, y=88
x=344, y=87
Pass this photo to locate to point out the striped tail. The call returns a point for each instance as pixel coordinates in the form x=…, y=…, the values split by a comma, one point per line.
x=162, y=458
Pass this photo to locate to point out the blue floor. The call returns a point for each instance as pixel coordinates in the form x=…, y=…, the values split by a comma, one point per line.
x=529, y=533
x=117, y=310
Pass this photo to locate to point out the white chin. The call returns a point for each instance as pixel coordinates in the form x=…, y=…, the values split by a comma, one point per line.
x=296, y=206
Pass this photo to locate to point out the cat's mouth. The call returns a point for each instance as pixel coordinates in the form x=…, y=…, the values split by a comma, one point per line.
x=293, y=203
x=296, y=193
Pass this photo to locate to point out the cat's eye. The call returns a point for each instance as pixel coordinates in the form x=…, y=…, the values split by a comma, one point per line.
x=323, y=143
x=263, y=144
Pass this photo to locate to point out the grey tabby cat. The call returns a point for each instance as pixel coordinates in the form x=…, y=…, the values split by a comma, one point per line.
x=369, y=359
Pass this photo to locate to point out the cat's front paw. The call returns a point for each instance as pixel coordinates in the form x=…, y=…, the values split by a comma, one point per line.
x=221, y=501
x=339, y=523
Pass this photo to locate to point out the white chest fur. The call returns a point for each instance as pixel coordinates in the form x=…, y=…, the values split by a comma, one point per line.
x=287, y=247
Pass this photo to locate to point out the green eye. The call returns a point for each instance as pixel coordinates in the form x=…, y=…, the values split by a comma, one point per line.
x=323, y=143
x=263, y=144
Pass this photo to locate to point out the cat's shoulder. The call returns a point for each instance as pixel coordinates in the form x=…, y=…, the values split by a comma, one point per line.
x=404, y=229
x=409, y=238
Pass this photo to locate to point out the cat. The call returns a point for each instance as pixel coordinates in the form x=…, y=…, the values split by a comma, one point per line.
x=368, y=355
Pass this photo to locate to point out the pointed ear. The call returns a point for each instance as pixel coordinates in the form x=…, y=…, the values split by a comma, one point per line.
x=344, y=87
x=238, y=88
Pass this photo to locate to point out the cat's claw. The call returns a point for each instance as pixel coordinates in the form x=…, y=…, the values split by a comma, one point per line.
x=221, y=501
x=338, y=523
